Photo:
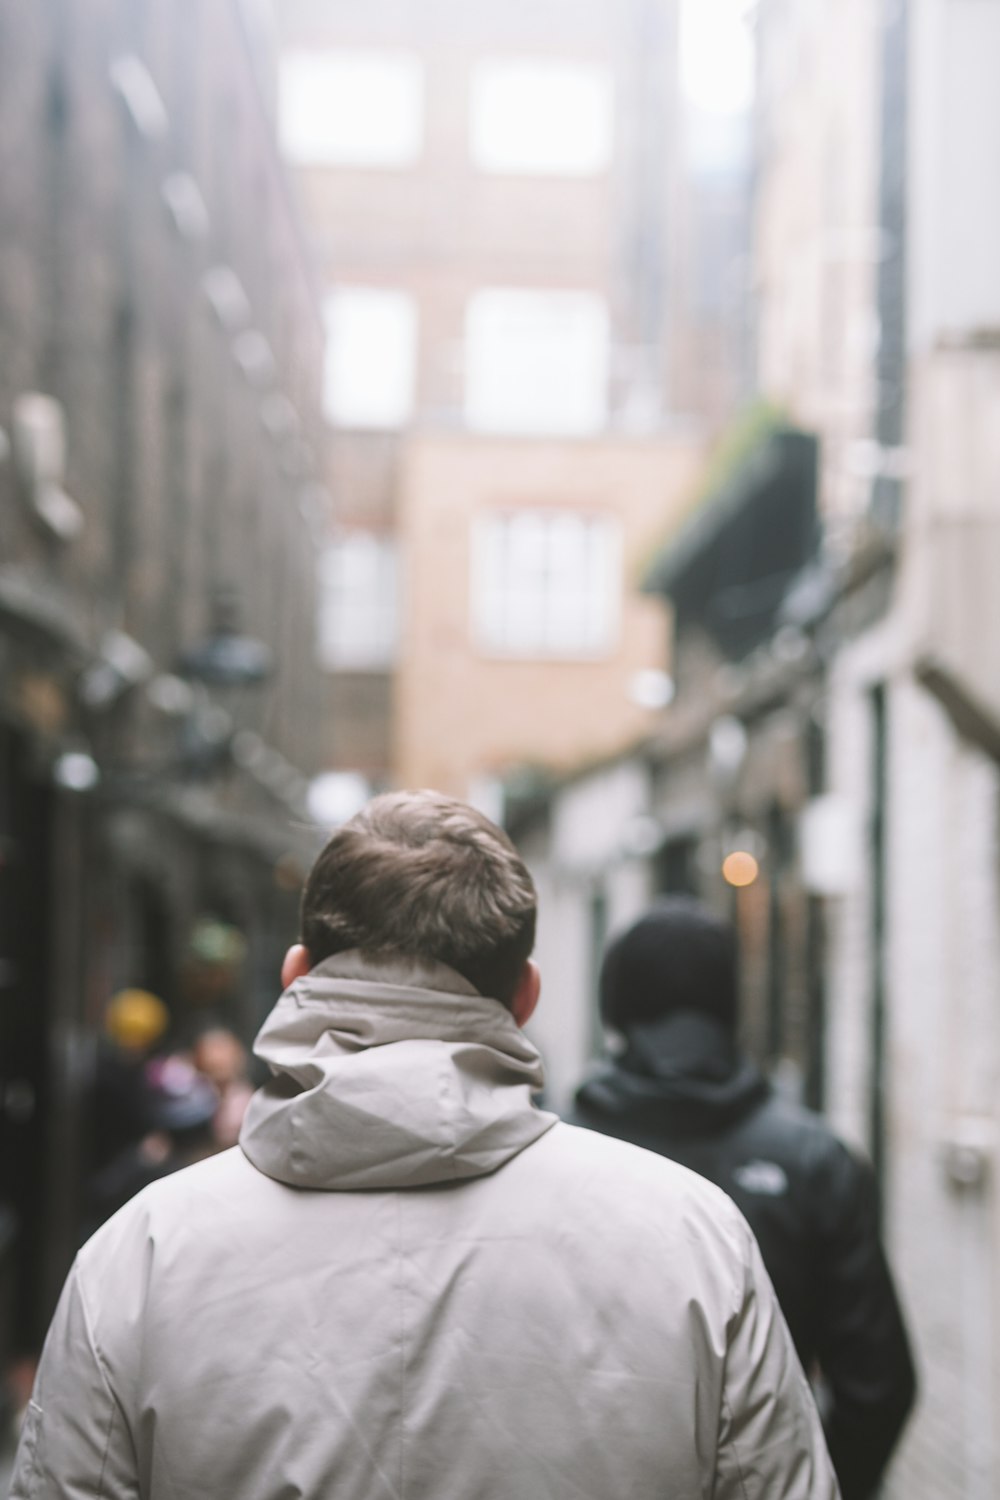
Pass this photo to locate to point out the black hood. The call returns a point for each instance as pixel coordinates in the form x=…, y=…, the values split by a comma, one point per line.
x=678, y=957
x=683, y=1074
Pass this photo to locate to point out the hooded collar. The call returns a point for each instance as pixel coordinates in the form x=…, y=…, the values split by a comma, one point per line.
x=683, y=1073
x=389, y=1075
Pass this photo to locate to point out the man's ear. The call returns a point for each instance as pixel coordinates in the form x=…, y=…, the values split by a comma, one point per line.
x=525, y=998
x=297, y=964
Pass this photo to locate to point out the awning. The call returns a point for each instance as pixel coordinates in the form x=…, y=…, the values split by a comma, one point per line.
x=732, y=564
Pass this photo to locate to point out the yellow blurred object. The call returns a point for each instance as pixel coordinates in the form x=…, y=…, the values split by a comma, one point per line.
x=135, y=1019
x=740, y=868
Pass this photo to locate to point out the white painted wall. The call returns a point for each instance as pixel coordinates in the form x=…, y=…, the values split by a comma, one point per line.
x=948, y=584
x=593, y=843
x=953, y=245
x=943, y=1051
x=944, y=795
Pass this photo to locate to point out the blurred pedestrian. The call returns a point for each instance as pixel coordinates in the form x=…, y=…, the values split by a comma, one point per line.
x=408, y=1279
x=135, y=1023
x=683, y=1088
x=221, y=1057
x=176, y=1112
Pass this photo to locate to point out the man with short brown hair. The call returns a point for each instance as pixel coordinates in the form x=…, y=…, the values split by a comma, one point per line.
x=407, y=1280
x=420, y=873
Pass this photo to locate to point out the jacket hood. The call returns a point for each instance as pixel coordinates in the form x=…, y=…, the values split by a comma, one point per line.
x=390, y=1075
x=683, y=1073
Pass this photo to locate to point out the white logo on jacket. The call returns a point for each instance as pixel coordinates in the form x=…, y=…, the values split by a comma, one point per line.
x=764, y=1177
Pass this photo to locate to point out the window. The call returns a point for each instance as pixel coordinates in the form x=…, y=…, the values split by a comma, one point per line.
x=371, y=355
x=546, y=583
x=541, y=118
x=536, y=362
x=352, y=109
x=358, y=592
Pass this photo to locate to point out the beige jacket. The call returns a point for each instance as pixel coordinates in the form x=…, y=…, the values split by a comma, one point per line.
x=409, y=1282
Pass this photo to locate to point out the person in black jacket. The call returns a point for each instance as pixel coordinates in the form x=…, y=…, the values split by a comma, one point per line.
x=683, y=1088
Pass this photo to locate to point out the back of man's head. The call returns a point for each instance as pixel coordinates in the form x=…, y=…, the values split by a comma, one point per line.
x=677, y=957
x=422, y=876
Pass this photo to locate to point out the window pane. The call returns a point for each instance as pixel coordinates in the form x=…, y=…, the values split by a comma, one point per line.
x=539, y=117
x=536, y=362
x=604, y=560
x=358, y=603
x=546, y=583
x=361, y=109
x=488, y=571
x=370, y=357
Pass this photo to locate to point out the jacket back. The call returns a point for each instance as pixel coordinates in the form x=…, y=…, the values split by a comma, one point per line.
x=684, y=1090
x=411, y=1282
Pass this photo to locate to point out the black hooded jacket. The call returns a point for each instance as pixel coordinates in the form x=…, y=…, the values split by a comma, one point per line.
x=683, y=1089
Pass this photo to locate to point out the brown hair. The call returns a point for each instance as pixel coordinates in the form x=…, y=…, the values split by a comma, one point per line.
x=421, y=875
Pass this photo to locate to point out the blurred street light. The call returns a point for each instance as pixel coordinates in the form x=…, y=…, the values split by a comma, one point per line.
x=651, y=689
x=121, y=664
x=336, y=796
x=740, y=868
x=727, y=747
x=227, y=297
x=227, y=658
x=135, y=86
x=76, y=771
x=186, y=206
x=38, y=442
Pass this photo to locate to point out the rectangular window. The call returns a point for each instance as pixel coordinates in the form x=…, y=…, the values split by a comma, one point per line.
x=358, y=603
x=536, y=362
x=540, y=118
x=351, y=109
x=546, y=583
x=371, y=356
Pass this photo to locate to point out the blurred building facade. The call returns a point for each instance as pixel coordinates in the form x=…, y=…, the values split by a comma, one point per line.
x=160, y=704
x=711, y=802
x=879, y=328
x=508, y=218
x=865, y=705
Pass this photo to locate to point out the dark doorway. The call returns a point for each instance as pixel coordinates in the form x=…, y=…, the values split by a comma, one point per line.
x=26, y=809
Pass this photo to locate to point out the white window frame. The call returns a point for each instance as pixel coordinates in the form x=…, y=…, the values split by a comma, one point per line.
x=358, y=603
x=561, y=598
x=541, y=117
x=374, y=102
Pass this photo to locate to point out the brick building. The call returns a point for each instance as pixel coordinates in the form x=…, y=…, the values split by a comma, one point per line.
x=497, y=195
x=161, y=449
